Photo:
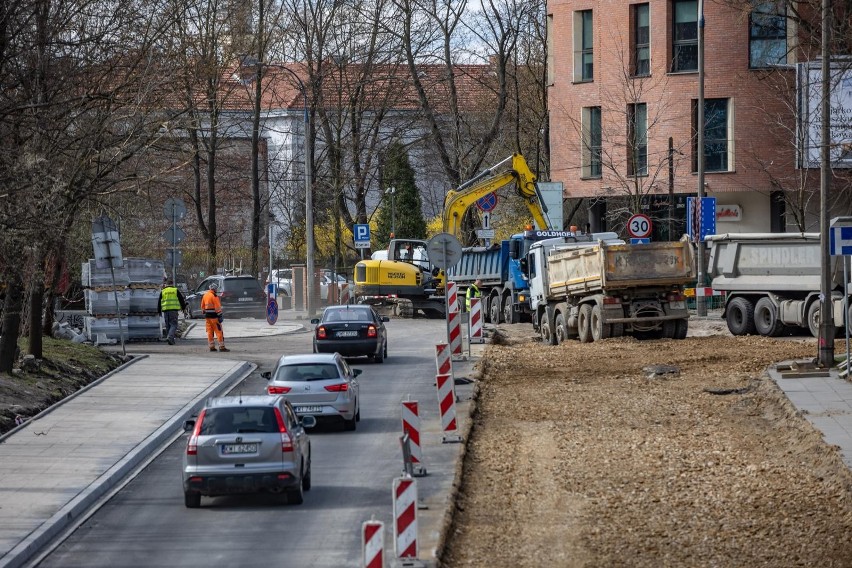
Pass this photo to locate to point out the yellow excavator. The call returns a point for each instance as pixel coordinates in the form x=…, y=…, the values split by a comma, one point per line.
x=403, y=277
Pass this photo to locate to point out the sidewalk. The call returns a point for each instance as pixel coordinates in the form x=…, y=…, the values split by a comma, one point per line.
x=55, y=466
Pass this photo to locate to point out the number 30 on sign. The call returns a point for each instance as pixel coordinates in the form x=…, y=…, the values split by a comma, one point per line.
x=639, y=226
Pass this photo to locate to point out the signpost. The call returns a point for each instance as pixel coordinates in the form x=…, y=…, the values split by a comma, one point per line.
x=840, y=244
x=639, y=226
x=361, y=236
x=444, y=251
x=174, y=211
x=108, y=254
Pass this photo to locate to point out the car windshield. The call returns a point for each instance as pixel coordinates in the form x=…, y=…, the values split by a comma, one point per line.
x=240, y=285
x=238, y=420
x=307, y=372
x=346, y=314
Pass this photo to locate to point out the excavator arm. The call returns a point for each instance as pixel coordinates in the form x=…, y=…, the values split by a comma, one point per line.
x=514, y=168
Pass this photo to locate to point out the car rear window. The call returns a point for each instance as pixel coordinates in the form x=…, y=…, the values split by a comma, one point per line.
x=307, y=372
x=347, y=314
x=238, y=420
x=241, y=285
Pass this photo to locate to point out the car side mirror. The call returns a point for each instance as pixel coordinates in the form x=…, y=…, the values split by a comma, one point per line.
x=308, y=421
x=266, y=375
x=189, y=425
x=315, y=321
x=356, y=372
x=385, y=318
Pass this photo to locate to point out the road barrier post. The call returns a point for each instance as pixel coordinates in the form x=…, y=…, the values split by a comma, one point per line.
x=373, y=544
x=475, y=321
x=443, y=359
x=447, y=405
x=405, y=520
x=411, y=428
x=454, y=322
x=345, y=298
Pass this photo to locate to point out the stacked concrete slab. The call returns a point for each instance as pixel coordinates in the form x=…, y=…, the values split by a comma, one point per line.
x=130, y=305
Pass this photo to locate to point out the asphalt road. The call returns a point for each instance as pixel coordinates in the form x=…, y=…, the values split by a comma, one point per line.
x=146, y=523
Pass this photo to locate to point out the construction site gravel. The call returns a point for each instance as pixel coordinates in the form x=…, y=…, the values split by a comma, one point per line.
x=646, y=453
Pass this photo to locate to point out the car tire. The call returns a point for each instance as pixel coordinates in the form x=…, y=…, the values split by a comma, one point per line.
x=379, y=357
x=358, y=414
x=191, y=499
x=350, y=425
x=306, y=479
x=296, y=496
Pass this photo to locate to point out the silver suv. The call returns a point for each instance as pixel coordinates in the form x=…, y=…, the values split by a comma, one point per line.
x=247, y=444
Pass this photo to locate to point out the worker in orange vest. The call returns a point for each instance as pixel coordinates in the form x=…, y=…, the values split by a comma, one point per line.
x=211, y=307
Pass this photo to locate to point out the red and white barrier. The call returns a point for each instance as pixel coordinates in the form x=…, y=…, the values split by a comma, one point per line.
x=452, y=297
x=373, y=544
x=411, y=426
x=454, y=333
x=443, y=359
x=344, y=294
x=475, y=321
x=707, y=292
x=447, y=404
x=405, y=517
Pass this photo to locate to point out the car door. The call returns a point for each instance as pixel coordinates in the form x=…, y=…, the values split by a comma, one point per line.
x=194, y=300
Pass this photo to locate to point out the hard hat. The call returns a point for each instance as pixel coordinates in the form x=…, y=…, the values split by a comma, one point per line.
x=214, y=286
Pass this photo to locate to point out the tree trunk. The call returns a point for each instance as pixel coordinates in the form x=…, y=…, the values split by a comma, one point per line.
x=11, y=325
x=36, y=303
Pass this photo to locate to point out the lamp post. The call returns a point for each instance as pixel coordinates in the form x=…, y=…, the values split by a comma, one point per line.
x=392, y=191
x=700, y=305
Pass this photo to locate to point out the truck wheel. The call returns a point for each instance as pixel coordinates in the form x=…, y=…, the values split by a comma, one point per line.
x=669, y=329
x=495, y=309
x=617, y=330
x=561, y=330
x=766, y=318
x=599, y=330
x=584, y=323
x=681, y=327
x=740, y=317
x=547, y=335
x=813, y=318
x=509, y=315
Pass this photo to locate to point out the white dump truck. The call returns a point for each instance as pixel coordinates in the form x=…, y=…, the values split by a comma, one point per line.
x=772, y=281
x=595, y=286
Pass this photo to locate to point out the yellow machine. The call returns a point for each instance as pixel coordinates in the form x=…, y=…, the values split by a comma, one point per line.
x=406, y=277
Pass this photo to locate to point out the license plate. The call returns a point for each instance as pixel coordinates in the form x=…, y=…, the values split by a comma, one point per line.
x=229, y=449
x=307, y=409
x=244, y=299
x=347, y=334
x=677, y=305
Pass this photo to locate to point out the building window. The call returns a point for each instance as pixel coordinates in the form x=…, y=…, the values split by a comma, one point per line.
x=767, y=34
x=717, y=135
x=591, y=142
x=685, y=36
x=583, y=46
x=637, y=139
x=641, y=40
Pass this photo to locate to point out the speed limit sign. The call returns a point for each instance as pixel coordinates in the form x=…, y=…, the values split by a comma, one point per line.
x=639, y=226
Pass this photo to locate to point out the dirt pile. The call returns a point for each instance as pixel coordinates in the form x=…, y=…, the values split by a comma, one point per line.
x=618, y=453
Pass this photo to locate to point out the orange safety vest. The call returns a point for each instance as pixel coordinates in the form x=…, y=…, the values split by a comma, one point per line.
x=210, y=304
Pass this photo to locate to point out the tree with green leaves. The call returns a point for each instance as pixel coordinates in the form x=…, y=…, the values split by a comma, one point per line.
x=401, y=211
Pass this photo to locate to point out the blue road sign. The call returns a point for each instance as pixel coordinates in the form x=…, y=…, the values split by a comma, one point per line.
x=706, y=216
x=361, y=233
x=841, y=241
x=272, y=311
x=645, y=241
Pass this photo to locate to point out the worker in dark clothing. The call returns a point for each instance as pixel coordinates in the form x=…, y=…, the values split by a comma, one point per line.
x=171, y=302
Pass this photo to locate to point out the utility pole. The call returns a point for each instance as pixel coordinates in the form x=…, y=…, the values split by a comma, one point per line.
x=700, y=304
x=825, y=357
x=671, y=188
x=392, y=191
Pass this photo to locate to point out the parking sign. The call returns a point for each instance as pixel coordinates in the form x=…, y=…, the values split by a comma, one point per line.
x=361, y=234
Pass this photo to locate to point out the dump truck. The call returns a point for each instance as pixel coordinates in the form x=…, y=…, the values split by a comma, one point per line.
x=505, y=289
x=595, y=286
x=772, y=282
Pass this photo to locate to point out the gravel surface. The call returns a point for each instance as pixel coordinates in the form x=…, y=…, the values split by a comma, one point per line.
x=646, y=453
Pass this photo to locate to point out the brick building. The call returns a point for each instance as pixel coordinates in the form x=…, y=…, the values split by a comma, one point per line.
x=624, y=83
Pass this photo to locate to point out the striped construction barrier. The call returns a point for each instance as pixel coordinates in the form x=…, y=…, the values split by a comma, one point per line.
x=443, y=359
x=452, y=297
x=411, y=426
x=345, y=298
x=454, y=333
x=373, y=544
x=702, y=292
x=405, y=517
x=475, y=321
x=447, y=405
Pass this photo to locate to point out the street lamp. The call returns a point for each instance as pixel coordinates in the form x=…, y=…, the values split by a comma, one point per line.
x=392, y=191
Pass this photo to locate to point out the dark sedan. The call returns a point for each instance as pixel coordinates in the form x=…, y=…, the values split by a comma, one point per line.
x=352, y=331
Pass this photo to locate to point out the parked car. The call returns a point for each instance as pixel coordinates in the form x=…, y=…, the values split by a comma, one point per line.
x=321, y=385
x=241, y=296
x=247, y=444
x=351, y=330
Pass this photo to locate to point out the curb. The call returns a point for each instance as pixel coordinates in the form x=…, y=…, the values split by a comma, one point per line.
x=80, y=505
